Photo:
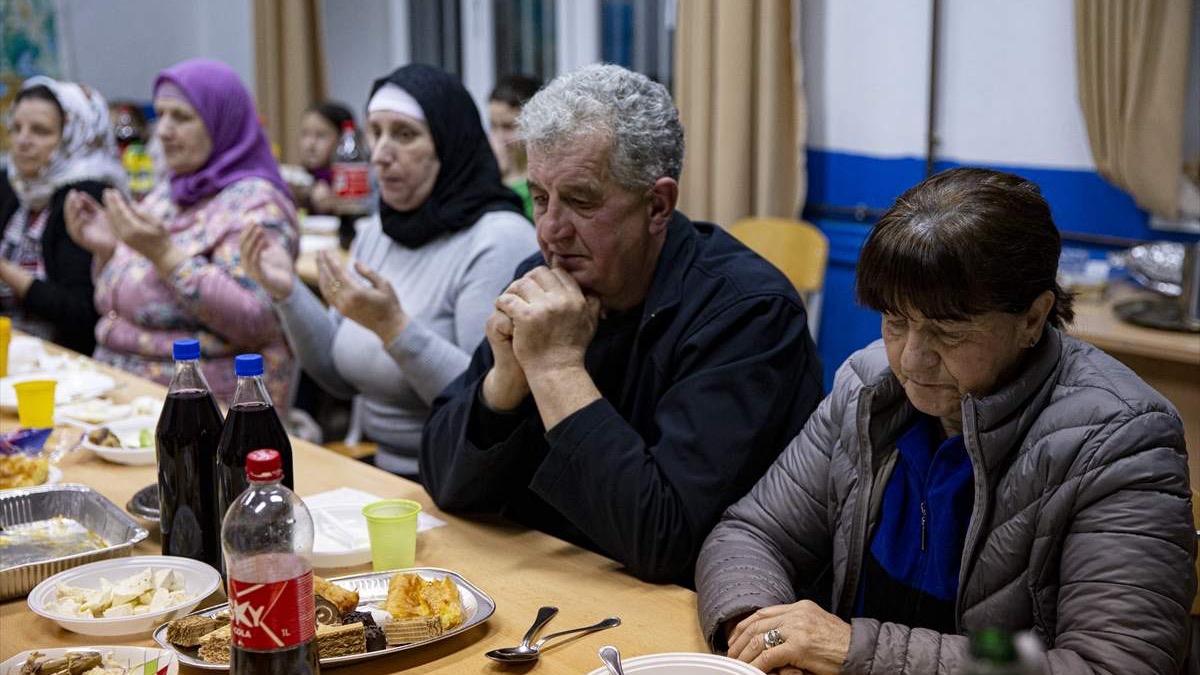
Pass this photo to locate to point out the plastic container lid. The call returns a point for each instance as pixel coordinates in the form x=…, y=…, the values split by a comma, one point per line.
x=248, y=365
x=186, y=349
x=264, y=465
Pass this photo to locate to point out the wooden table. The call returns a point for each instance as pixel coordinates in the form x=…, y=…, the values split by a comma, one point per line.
x=1166, y=360
x=521, y=569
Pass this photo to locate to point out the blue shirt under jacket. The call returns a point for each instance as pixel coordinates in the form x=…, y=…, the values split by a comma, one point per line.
x=912, y=565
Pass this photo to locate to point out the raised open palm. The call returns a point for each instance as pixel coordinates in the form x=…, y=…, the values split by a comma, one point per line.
x=88, y=225
x=267, y=262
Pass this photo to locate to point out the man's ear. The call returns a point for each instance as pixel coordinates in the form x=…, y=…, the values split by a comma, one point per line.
x=663, y=197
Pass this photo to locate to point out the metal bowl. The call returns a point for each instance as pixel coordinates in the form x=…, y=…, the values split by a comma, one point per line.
x=144, y=506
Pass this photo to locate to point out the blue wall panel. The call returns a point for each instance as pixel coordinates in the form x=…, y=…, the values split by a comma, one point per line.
x=845, y=326
x=1081, y=201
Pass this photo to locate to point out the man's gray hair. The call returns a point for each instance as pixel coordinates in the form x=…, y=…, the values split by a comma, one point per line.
x=610, y=102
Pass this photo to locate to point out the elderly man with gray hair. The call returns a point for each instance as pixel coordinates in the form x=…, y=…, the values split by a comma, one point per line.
x=643, y=370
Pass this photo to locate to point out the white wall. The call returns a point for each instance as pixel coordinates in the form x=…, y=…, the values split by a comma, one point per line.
x=867, y=75
x=358, y=48
x=120, y=46
x=1006, y=92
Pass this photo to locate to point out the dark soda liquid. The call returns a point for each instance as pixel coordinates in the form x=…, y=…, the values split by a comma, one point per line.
x=186, y=446
x=249, y=427
x=298, y=660
x=268, y=568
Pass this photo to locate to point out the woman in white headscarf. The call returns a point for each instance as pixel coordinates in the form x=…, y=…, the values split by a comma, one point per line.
x=60, y=140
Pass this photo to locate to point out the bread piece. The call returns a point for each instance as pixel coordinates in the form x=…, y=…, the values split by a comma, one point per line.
x=410, y=596
x=217, y=645
x=344, y=600
x=442, y=597
x=190, y=630
x=341, y=640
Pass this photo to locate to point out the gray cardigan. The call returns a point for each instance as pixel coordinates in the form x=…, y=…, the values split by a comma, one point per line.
x=447, y=287
x=1081, y=528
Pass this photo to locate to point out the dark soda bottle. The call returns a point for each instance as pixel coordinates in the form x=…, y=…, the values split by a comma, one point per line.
x=267, y=538
x=186, y=438
x=252, y=423
x=351, y=182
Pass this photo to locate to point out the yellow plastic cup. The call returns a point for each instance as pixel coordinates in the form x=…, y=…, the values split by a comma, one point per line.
x=5, y=338
x=35, y=403
x=392, y=528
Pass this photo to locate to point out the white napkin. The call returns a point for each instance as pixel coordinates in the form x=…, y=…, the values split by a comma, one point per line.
x=342, y=496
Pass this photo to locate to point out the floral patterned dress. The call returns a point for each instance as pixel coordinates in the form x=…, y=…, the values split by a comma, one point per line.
x=208, y=297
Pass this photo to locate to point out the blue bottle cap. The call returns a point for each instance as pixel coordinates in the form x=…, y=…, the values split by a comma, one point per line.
x=186, y=350
x=248, y=365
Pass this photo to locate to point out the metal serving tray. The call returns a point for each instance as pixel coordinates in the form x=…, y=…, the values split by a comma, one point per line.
x=372, y=590
x=79, y=502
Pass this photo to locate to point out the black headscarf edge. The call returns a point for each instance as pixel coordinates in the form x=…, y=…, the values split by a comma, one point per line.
x=468, y=184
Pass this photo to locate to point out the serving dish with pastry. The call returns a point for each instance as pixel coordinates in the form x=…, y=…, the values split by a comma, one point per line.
x=359, y=617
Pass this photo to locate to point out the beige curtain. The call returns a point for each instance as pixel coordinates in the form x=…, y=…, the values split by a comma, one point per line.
x=289, y=55
x=1132, y=61
x=738, y=88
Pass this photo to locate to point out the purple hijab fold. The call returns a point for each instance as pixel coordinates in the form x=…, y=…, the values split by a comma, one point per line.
x=239, y=146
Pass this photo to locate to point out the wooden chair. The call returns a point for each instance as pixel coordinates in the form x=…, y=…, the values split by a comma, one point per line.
x=796, y=248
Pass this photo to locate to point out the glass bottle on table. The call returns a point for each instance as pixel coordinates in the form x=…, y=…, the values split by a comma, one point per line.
x=267, y=539
x=186, y=438
x=252, y=423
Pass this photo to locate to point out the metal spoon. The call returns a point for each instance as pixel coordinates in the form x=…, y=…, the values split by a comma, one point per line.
x=612, y=659
x=543, y=617
x=526, y=652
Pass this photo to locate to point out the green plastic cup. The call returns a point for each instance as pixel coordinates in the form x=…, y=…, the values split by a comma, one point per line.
x=35, y=403
x=392, y=528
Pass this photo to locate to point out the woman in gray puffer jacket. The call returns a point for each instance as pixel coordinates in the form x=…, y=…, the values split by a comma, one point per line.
x=973, y=469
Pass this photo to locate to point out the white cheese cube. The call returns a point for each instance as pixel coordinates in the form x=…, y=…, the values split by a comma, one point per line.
x=118, y=610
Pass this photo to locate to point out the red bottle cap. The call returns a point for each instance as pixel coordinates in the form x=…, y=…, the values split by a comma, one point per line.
x=264, y=465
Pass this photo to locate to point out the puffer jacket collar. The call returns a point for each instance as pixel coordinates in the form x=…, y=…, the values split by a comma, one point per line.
x=998, y=420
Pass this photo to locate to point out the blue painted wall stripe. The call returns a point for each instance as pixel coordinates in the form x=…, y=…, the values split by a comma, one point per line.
x=1081, y=201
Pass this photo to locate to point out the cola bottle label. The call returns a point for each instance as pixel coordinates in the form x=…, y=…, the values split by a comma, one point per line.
x=351, y=180
x=274, y=615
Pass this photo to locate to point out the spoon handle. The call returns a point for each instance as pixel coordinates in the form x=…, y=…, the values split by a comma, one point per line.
x=543, y=617
x=607, y=623
x=612, y=660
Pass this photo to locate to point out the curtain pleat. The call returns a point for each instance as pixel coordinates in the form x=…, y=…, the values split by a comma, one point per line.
x=740, y=99
x=1131, y=60
x=289, y=55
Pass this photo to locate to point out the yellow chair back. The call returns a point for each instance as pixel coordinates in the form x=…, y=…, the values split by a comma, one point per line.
x=797, y=248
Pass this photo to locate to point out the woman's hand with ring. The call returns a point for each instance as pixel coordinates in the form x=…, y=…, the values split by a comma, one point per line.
x=806, y=637
x=374, y=306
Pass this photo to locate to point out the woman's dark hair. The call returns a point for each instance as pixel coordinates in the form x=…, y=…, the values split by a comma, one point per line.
x=515, y=90
x=41, y=92
x=961, y=243
x=335, y=113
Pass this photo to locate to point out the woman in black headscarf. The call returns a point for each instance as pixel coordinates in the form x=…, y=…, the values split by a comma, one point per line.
x=445, y=244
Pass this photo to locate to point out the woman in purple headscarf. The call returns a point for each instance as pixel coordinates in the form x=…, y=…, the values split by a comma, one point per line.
x=169, y=267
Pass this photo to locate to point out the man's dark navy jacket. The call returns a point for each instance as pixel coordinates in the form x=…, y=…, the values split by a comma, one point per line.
x=719, y=375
